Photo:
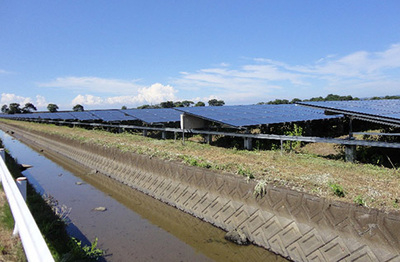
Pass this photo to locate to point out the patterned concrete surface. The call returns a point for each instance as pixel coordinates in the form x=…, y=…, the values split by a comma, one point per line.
x=296, y=225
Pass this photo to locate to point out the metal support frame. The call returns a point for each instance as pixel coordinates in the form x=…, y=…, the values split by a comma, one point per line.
x=248, y=143
x=350, y=151
x=307, y=139
x=208, y=139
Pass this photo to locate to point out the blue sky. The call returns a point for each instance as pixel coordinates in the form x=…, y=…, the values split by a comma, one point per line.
x=105, y=54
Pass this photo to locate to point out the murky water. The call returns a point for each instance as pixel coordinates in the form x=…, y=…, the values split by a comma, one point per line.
x=135, y=227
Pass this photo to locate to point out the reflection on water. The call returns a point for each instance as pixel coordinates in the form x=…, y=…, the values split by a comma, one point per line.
x=135, y=227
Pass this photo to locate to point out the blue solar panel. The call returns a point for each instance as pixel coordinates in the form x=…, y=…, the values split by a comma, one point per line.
x=159, y=115
x=112, y=115
x=83, y=116
x=65, y=116
x=388, y=109
x=253, y=115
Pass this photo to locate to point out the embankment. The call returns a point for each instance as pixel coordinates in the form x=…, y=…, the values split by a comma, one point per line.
x=296, y=225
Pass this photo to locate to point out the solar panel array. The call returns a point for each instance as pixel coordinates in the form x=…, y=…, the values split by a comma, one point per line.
x=234, y=116
x=385, y=110
x=253, y=115
x=153, y=116
x=112, y=115
x=150, y=116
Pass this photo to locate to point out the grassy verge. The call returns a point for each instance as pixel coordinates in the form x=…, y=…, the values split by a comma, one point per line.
x=52, y=221
x=372, y=186
x=10, y=247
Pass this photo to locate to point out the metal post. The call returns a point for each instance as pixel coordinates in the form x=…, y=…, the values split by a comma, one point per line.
x=144, y=132
x=21, y=184
x=349, y=153
x=163, y=135
x=174, y=136
x=248, y=143
x=208, y=139
x=183, y=136
x=281, y=146
x=351, y=127
x=3, y=154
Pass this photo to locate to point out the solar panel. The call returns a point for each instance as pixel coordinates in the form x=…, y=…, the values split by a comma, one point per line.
x=84, y=116
x=253, y=115
x=65, y=116
x=112, y=115
x=384, y=110
x=159, y=115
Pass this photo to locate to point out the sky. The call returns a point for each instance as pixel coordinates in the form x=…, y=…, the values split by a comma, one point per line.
x=109, y=54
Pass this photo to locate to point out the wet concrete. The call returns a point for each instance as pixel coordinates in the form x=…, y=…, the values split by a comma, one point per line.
x=135, y=227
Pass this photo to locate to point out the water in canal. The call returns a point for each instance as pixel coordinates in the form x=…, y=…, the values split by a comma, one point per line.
x=135, y=227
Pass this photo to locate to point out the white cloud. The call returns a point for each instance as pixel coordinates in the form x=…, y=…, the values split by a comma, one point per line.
x=41, y=102
x=87, y=100
x=358, y=73
x=7, y=98
x=94, y=85
x=153, y=94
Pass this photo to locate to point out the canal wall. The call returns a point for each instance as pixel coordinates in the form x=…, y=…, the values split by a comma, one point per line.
x=296, y=225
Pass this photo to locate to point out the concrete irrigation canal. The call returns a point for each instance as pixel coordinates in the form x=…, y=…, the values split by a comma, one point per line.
x=135, y=226
x=296, y=225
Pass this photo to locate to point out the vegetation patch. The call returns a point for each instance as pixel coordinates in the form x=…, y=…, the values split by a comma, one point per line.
x=337, y=189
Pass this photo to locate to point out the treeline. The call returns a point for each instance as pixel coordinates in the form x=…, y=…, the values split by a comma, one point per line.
x=185, y=103
x=330, y=97
x=15, y=108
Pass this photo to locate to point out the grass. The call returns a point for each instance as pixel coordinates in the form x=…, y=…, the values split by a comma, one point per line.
x=10, y=247
x=303, y=171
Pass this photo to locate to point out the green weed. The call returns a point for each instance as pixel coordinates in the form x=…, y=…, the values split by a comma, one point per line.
x=245, y=172
x=337, y=189
x=359, y=200
x=80, y=252
x=6, y=217
x=196, y=162
x=296, y=131
x=395, y=203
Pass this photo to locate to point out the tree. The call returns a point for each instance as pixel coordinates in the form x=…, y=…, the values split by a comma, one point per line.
x=78, y=108
x=178, y=104
x=187, y=103
x=4, y=109
x=200, y=104
x=52, y=108
x=143, y=107
x=14, y=108
x=278, y=102
x=215, y=102
x=168, y=104
x=124, y=108
x=295, y=100
x=28, y=108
